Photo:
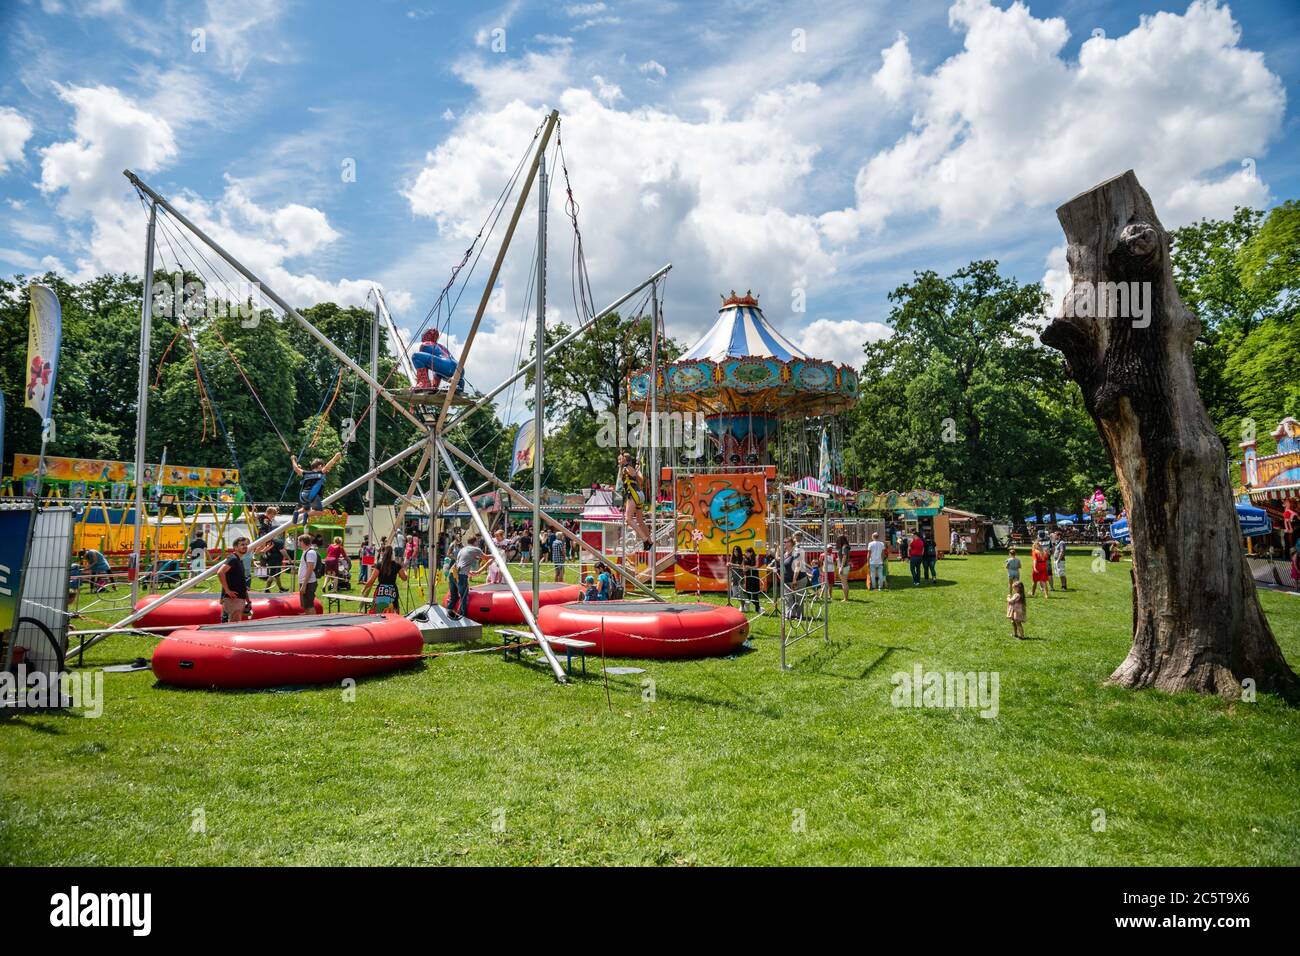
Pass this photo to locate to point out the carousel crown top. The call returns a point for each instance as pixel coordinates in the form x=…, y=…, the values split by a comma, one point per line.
x=747, y=299
x=741, y=331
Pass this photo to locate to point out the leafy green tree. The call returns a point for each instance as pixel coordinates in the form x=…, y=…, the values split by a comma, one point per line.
x=962, y=399
x=1269, y=263
x=1242, y=278
x=1262, y=369
x=94, y=402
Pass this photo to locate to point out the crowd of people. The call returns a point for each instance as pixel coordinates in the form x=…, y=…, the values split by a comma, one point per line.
x=827, y=566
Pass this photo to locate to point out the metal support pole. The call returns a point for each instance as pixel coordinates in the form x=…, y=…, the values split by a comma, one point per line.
x=826, y=590
x=654, y=435
x=432, y=511
x=500, y=560
x=779, y=584
x=539, y=412
x=142, y=399
x=394, y=337
x=400, y=495
x=413, y=488
x=551, y=122
x=374, y=422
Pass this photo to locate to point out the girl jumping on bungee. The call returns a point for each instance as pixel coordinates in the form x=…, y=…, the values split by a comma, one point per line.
x=632, y=483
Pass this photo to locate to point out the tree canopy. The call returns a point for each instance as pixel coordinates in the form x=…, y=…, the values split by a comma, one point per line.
x=962, y=399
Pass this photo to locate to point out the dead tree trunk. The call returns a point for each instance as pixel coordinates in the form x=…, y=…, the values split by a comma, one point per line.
x=1127, y=340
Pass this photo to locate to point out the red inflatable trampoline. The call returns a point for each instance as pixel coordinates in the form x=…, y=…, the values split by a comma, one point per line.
x=648, y=628
x=291, y=650
x=189, y=609
x=494, y=604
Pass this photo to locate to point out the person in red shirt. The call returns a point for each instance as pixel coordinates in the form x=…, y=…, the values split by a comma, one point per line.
x=333, y=560
x=1040, y=574
x=916, y=555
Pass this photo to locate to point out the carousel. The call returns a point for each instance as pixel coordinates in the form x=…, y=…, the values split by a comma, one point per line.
x=749, y=385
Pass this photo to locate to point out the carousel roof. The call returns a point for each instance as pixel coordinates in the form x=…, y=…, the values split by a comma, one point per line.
x=744, y=365
x=742, y=331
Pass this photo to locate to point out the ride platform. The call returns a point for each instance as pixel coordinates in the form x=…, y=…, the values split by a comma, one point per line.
x=438, y=627
x=432, y=396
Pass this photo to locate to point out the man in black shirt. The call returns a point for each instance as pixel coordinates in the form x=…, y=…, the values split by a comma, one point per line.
x=273, y=549
x=234, y=583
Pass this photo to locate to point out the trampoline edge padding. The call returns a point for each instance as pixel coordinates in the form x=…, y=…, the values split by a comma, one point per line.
x=310, y=649
x=648, y=629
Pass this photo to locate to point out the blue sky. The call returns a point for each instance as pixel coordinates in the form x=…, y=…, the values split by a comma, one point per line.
x=831, y=147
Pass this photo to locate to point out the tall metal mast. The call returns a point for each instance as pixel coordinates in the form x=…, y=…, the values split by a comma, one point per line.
x=374, y=418
x=538, y=417
x=654, y=426
x=142, y=401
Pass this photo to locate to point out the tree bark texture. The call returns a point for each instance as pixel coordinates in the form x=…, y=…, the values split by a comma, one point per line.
x=1198, y=623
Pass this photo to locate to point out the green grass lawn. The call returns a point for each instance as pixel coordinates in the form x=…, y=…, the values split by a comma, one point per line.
x=470, y=759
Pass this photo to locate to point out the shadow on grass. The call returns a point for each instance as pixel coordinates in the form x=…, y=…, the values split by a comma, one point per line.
x=738, y=703
x=819, y=662
x=16, y=718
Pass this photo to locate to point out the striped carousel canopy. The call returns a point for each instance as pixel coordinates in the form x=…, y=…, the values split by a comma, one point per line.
x=742, y=332
x=745, y=366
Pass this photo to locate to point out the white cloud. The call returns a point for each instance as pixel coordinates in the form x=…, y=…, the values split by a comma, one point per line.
x=732, y=184
x=894, y=78
x=1008, y=122
x=34, y=232
x=15, y=131
x=22, y=260
x=112, y=132
x=87, y=8
x=1056, y=282
x=266, y=240
x=609, y=93
x=712, y=195
x=84, y=174
x=238, y=34
x=653, y=68
x=840, y=341
x=584, y=9
x=535, y=77
x=31, y=264
x=596, y=22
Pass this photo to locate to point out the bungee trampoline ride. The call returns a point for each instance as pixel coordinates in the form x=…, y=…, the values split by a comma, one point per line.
x=282, y=644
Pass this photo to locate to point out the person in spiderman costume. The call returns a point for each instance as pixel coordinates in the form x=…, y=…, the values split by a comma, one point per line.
x=431, y=356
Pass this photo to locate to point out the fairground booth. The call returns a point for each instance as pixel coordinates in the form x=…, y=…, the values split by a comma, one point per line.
x=1270, y=487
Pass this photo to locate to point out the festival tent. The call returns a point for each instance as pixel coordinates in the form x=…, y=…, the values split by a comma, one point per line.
x=1254, y=522
x=1060, y=519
